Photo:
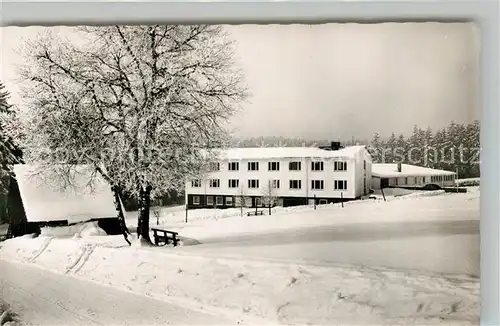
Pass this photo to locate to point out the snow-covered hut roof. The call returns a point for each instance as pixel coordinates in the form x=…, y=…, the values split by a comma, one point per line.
x=288, y=152
x=44, y=199
x=390, y=170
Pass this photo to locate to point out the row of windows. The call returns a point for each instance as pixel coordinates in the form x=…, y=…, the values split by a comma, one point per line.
x=219, y=201
x=275, y=166
x=420, y=180
x=439, y=178
x=275, y=184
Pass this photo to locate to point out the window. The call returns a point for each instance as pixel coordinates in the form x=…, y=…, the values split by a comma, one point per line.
x=323, y=202
x=234, y=166
x=210, y=200
x=273, y=166
x=196, y=200
x=317, y=184
x=214, y=166
x=253, y=166
x=234, y=183
x=340, y=185
x=406, y=180
x=196, y=183
x=258, y=201
x=229, y=201
x=294, y=166
x=219, y=201
x=316, y=166
x=341, y=166
x=253, y=183
x=214, y=183
x=275, y=184
x=295, y=184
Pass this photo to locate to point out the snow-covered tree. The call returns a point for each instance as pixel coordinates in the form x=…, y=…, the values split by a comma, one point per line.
x=240, y=198
x=416, y=148
x=10, y=153
x=401, y=152
x=469, y=156
x=390, y=149
x=376, y=148
x=430, y=153
x=144, y=105
x=270, y=194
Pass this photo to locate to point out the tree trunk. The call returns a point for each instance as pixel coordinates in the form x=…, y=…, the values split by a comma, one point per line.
x=120, y=213
x=144, y=210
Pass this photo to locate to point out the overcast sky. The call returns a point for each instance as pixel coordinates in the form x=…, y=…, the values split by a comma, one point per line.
x=337, y=81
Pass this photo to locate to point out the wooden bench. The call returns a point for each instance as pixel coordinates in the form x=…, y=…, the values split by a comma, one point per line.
x=255, y=213
x=164, y=236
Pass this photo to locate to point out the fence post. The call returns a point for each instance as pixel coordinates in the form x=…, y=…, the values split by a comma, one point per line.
x=315, y=201
x=342, y=198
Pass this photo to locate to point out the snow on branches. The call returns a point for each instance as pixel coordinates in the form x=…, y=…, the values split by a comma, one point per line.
x=142, y=104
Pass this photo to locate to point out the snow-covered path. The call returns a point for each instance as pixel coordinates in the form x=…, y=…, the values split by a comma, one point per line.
x=45, y=298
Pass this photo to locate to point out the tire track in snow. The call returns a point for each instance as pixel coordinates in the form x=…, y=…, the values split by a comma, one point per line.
x=87, y=251
x=45, y=245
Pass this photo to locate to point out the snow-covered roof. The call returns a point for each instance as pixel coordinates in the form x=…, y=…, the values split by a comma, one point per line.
x=388, y=170
x=45, y=200
x=288, y=152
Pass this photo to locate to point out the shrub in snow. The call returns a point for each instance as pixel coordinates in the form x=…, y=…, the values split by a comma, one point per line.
x=7, y=316
x=91, y=229
x=73, y=231
x=472, y=182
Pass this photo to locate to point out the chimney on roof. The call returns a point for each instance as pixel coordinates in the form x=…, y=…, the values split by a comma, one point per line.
x=335, y=145
x=399, y=167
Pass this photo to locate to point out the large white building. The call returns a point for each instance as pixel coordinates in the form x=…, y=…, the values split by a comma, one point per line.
x=410, y=176
x=289, y=175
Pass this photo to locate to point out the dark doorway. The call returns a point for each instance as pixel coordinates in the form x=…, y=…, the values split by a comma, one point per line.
x=384, y=183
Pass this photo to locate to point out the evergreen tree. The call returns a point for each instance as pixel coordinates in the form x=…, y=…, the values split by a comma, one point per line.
x=9, y=152
x=415, y=150
x=441, y=145
x=390, y=149
x=469, y=156
x=401, y=152
x=376, y=148
x=429, y=151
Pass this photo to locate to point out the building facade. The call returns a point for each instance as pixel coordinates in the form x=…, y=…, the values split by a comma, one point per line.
x=283, y=176
x=386, y=175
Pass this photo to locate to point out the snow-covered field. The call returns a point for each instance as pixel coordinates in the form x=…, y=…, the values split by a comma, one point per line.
x=413, y=206
x=267, y=291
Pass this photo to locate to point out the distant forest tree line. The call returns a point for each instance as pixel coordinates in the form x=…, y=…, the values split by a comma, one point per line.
x=453, y=148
